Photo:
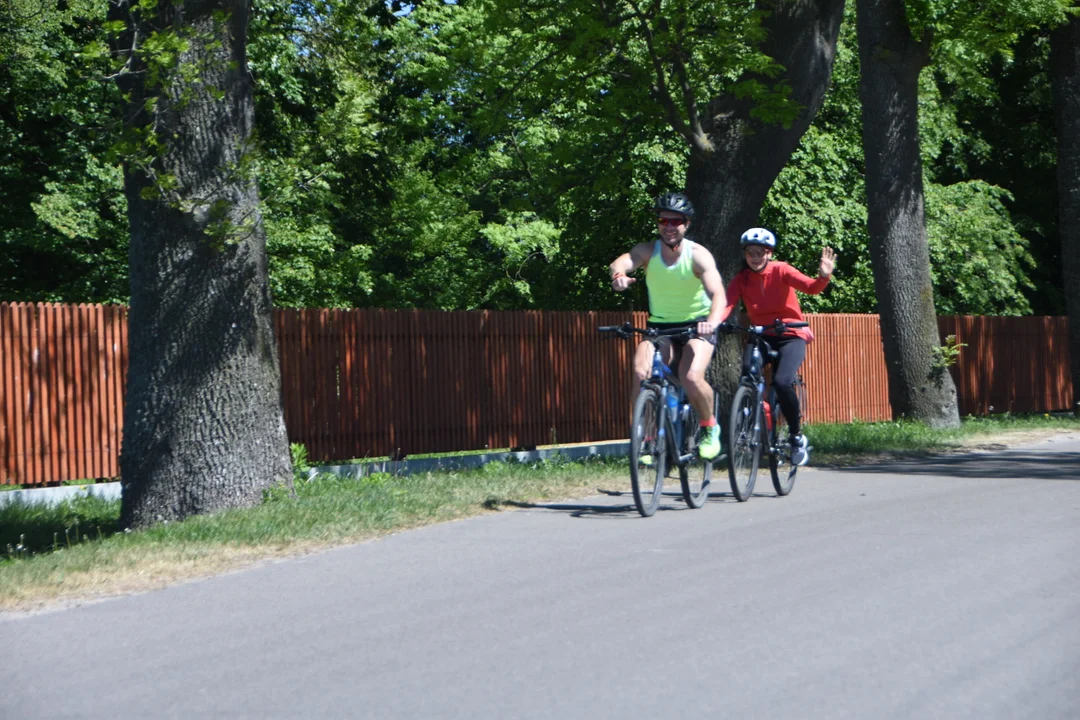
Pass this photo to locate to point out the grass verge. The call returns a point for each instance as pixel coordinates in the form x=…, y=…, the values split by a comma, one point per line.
x=856, y=442
x=76, y=550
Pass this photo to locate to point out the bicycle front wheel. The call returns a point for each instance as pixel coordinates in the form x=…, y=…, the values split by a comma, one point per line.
x=647, y=452
x=695, y=475
x=744, y=443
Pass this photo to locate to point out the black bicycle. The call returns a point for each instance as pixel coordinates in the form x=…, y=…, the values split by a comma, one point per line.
x=662, y=432
x=756, y=423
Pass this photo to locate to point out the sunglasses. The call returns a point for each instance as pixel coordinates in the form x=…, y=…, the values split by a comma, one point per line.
x=670, y=221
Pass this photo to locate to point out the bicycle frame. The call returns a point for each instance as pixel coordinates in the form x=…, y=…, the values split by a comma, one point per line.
x=753, y=368
x=670, y=416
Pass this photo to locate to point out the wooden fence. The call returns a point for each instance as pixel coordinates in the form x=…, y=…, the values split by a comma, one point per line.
x=1011, y=364
x=363, y=383
x=62, y=371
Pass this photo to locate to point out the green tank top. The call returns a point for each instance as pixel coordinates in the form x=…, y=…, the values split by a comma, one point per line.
x=675, y=293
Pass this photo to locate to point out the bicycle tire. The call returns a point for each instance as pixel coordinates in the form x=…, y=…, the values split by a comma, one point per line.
x=744, y=443
x=696, y=475
x=645, y=440
x=780, y=466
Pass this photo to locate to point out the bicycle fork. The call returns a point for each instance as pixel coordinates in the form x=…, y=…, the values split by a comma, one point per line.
x=759, y=415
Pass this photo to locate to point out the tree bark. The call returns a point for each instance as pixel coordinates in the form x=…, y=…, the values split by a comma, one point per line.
x=890, y=62
x=1065, y=72
x=203, y=422
x=728, y=184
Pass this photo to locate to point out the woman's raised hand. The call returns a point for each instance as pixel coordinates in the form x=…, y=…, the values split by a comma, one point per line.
x=828, y=262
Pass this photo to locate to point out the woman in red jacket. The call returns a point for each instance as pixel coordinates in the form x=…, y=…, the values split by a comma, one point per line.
x=767, y=288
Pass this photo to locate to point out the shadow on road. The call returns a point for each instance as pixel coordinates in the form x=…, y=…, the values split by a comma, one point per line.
x=672, y=500
x=1011, y=465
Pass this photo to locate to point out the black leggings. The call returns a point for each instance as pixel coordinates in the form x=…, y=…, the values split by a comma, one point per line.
x=792, y=352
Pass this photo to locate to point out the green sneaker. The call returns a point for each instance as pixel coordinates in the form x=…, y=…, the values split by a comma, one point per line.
x=645, y=460
x=708, y=441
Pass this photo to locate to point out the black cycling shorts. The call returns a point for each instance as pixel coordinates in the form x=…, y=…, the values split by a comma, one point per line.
x=680, y=341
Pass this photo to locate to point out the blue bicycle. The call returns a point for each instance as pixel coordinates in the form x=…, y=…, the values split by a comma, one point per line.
x=663, y=431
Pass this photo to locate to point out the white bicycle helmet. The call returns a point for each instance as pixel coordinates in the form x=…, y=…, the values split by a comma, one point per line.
x=758, y=236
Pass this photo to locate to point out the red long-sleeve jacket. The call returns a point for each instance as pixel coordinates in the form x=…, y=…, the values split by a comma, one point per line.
x=770, y=295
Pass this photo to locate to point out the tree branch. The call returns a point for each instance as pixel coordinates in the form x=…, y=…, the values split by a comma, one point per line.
x=699, y=138
x=659, y=87
x=692, y=132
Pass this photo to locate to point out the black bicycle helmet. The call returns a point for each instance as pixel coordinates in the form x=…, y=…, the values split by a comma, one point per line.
x=674, y=202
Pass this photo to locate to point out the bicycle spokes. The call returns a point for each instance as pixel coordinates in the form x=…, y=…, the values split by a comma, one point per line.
x=745, y=443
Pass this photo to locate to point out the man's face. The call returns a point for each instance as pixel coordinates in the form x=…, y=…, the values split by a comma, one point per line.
x=757, y=256
x=672, y=227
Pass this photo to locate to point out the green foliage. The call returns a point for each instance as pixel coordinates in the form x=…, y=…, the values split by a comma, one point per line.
x=1010, y=141
x=523, y=238
x=299, y=455
x=979, y=262
x=374, y=194
x=942, y=357
x=499, y=154
x=946, y=355
x=60, y=193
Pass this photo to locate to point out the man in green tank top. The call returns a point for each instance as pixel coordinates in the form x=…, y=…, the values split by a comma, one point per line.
x=685, y=290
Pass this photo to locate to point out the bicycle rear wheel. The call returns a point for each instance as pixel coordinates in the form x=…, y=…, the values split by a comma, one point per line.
x=780, y=466
x=695, y=475
x=744, y=443
x=647, y=452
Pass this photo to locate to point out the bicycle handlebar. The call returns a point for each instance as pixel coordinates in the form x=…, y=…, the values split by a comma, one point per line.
x=626, y=330
x=778, y=326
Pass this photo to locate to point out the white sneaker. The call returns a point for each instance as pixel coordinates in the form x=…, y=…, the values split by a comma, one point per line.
x=799, y=454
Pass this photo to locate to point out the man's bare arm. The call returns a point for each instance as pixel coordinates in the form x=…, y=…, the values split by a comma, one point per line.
x=705, y=269
x=628, y=263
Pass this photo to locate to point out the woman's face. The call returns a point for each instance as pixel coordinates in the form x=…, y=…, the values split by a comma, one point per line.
x=757, y=257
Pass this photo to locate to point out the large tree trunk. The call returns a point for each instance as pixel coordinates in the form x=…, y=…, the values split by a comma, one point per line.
x=203, y=423
x=1065, y=69
x=729, y=182
x=890, y=60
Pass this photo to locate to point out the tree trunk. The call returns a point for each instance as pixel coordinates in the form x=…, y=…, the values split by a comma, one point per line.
x=890, y=60
x=729, y=183
x=1065, y=71
x=203, y=422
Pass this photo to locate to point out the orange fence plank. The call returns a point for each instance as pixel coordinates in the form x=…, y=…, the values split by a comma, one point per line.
x=9, y=464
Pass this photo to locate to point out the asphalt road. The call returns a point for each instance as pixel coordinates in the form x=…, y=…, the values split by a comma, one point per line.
x=919, y=589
